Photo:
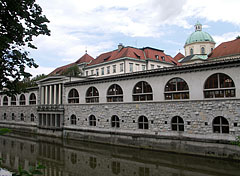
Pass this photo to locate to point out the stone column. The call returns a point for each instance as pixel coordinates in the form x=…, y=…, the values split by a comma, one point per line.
x=46, y=95
x=50, y=94
x=55, y=94
x=60, y=94
x=42, y=95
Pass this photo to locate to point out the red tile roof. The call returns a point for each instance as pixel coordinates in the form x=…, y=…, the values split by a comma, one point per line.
x=178, y=56
x=136, y=53
x=229, y=48
x=84, y=59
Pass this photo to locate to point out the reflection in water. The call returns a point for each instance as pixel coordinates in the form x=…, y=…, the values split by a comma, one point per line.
x=74, y=158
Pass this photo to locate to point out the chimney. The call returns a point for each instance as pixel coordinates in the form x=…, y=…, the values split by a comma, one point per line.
x=120, y=46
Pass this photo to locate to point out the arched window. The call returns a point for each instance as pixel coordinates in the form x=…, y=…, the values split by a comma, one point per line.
x=219, y=85
x=220, y=125
x=202, y=50
x=21, y=117
x=73, y=96
x=4, y=116
x=22, y=100
x=13, y=116
x=175, y=89
x=177, y=124
x=142, y=122
x=115, y=122
x=32, y=99
x=92, y=120
x=32, y=117
x=92, y=95
x=13, y=100
x=114, y=93
x=191, y=51
x=5, y=101
x=142, y=91
x=73, y=120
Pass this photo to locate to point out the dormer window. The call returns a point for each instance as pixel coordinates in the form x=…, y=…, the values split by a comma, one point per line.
x=157, y=57
x=163, y=58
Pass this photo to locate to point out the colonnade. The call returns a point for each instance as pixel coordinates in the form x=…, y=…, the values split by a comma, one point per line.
x=51, y=94
x=50, y=120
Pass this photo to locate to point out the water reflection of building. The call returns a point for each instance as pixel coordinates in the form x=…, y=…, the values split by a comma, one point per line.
x=81, y=159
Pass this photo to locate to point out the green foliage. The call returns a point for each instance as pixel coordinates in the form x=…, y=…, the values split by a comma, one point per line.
x=237, y=141
x=72, y=71
x=20, y=21
x=238, y=37
x=4, y=131
x=31, y=172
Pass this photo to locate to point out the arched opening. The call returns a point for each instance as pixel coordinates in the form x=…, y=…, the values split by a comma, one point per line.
x=114, y=93
x=32, y=99
x=5, y=101
x=220, y=125
x=142, y=122
x=219, y=85
x=22, y=100
x=92, y=95
x=142, y=91
x=177, y=123
x=13, y=100
x=73, y=96
x=92, y=120
x=73, y=119
x=115, y=122
x=176, y=88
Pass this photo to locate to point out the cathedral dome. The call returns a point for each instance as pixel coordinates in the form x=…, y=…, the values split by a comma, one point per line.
x=199, y=36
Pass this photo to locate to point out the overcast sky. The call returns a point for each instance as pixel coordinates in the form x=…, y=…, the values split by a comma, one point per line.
x=98, y=26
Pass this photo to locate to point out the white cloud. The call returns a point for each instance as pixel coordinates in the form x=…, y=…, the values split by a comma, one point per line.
x=39, y=70
x=225, y=37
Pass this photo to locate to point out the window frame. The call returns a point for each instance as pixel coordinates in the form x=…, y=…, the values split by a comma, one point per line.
x=13, y=102
x=92, y=98
x=143, y=95
x=5, y=101
x=143, y=123
x=92, y=120
x=221, y=125
x=73, y=119
x=115, y=97
x=32, y=100
x=179, y=125
x=115, y=121
x=22, y=101
x=74, y=98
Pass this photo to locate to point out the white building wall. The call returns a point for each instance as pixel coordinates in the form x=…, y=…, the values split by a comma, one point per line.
x=197, y=48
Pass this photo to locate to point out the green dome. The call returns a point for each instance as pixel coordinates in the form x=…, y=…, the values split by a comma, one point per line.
x=199, y=36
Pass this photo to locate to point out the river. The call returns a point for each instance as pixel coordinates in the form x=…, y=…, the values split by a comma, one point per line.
x=75, y=158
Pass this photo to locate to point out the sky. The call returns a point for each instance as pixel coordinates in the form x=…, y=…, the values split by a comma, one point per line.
x=98, y=26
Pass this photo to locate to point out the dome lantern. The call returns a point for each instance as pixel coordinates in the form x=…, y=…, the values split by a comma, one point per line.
x=198, y=26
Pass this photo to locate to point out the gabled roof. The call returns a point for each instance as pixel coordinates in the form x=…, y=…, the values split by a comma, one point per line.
x=136, y=53
x=84, y=59
x=193, y=57
x=229, y=48
x=178, y=56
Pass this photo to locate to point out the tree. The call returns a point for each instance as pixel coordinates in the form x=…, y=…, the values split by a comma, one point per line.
x=20, y=21
x=72, y=71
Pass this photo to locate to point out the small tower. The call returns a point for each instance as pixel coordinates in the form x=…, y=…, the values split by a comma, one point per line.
x=198, y=26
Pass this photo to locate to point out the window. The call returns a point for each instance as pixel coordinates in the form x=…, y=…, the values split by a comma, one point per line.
x=13, y=100
x=219, y=85
x=115, y=123
x=22, y=117
x=142, y=91
x=114, y=93
x=177, y=124
x=163, y=58
x=152, y=66
x=175, y=89
x=102, y=70
x=137, y=67
x=13, y=116
x=4, y=116
x=130, y=67
x=144, y=171
x=5, y=101
x=142, y=122
x=220, y=125
x=108, y=70
x=86, y=73
x=32, y=117
x=191, y=51
x=92, y=95
x=202, y=50
x=116, y=167
x=114, y=68
x=92, y=72
x=73, y=96
x=22, y=100
x=143, y=67
x=92, y=120
x=157, y=57
x=121, y=67
x=73, y=120
x=158, y=66
x=97, y=72
x=93, y=162
x=32, y=99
